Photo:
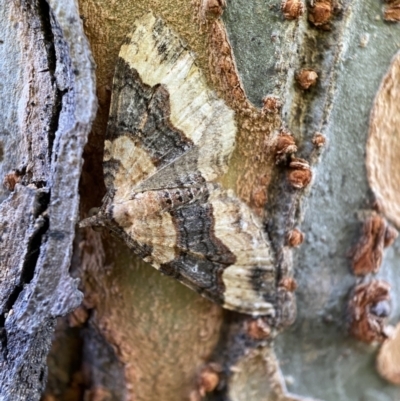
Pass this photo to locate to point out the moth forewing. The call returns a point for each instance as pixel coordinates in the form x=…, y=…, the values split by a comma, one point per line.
x=168, y=143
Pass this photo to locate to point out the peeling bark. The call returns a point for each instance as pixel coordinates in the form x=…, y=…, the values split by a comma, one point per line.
x=38, y=213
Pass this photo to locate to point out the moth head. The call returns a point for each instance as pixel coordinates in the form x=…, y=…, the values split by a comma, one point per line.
x=95, y=219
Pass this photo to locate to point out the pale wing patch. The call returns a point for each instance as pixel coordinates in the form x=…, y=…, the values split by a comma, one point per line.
x=239, y=230
x=240, y=296
x=143, y=220
x=195, y=109
x=135, y=164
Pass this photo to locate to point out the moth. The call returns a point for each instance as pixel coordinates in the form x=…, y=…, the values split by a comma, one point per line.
x=168, y=143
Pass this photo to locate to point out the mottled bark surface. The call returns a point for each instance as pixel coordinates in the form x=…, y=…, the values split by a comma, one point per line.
x=349, y=47
x=48, y=76
x=140, y=335
x=327, y=362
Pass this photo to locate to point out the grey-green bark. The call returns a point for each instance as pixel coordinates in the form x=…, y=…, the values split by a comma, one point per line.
x=334, y=366
x=316, y=353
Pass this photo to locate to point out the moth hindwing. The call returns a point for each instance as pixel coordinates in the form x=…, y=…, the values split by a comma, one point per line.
x=168, y=142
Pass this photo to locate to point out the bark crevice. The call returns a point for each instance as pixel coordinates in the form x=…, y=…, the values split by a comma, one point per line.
x=40, y=208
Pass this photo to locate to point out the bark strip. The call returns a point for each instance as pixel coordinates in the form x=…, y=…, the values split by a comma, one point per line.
x=39, y=211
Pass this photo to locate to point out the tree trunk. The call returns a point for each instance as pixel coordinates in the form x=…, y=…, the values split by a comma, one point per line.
x=48, y=104
x=314, y=91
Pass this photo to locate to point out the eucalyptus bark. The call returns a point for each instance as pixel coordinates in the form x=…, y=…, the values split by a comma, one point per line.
x=139, y=335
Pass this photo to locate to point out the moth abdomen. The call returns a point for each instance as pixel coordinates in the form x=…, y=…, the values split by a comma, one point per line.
x=172, y=198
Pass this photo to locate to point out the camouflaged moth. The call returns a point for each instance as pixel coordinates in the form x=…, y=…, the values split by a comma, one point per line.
x=169, y=140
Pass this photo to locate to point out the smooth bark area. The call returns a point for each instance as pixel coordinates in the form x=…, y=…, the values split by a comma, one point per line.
x=327, y=362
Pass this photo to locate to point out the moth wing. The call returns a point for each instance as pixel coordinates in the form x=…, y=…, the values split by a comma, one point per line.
x=193, y=242
x=162, y=111
x=168, y=130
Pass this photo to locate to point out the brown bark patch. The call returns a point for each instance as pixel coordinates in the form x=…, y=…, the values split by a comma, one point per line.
x=249, y=171
x=300, y=174
x=209, y=378
x=78, y=317
x=369, y=309
x=383, y=147
x=288, y=283
x=258, y=329
x=211, y=9
x=272, y=104
x=295, y=238
x=306, y=78
x=11, y=180
x=319, y=140
x=392, y=12
x=292, y=9
x=320, y=13
x=284, y=145
x=367, y=255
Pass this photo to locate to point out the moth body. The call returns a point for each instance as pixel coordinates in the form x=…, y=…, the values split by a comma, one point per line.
x=168, y=143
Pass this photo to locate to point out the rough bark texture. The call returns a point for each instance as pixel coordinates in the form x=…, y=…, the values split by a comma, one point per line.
x=48, y=105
